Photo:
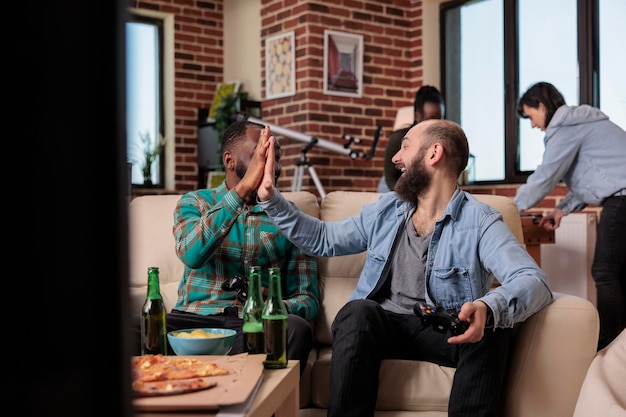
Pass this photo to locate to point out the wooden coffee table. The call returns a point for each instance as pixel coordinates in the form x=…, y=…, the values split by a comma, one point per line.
x=278, y=394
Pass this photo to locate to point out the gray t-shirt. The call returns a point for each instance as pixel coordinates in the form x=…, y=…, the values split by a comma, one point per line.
x=406, y=282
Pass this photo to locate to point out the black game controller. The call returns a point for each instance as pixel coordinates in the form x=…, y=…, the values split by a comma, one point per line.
x=441, y=320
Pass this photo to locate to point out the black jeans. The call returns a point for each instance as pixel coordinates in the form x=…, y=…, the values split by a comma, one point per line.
x=364, y=334
x=299, y=331
x=609, y=269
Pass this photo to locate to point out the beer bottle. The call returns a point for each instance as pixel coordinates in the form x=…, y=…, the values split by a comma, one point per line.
x=153, y=321
x=275, y=324
x=253, y=340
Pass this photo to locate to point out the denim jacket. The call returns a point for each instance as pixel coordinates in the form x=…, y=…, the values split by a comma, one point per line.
x=471, y=244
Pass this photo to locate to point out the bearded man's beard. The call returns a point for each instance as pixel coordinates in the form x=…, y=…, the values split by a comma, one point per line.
x=414, y=181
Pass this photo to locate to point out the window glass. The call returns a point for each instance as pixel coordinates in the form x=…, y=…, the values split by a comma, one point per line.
x=142, y=102
x=482, y=59
x=547, y=52
x=613, y=60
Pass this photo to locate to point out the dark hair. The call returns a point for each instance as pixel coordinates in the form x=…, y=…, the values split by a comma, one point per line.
x=541, y=92
x=453, y=139
x=236, y=132
x=427, y=94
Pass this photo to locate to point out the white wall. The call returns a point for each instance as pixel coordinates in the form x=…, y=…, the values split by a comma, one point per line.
x=430, y=45
x=242, y=45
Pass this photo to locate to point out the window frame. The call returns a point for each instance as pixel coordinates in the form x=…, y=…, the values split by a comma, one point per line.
x=166, y=124
x=588, y=57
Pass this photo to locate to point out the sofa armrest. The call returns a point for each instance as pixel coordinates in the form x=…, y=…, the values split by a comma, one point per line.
x=552, y=351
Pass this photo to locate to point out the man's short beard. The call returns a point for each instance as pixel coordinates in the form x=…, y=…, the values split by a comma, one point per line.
x=414, y=181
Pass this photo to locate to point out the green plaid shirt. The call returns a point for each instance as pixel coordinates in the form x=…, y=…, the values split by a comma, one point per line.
x=218, y=236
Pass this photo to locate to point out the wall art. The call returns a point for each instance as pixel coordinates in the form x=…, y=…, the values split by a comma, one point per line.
x=280, y=66
x=343, y=64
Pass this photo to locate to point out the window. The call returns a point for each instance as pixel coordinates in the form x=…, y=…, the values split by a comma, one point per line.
x=612, y=30
x=149, y=126
x=493, y=50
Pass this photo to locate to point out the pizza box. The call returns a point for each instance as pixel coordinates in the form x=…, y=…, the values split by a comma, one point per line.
x=245, y=371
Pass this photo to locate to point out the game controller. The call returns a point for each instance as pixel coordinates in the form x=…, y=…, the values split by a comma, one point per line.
x=440, y=319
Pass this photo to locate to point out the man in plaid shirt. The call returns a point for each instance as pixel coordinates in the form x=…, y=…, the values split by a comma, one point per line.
x=221, y=233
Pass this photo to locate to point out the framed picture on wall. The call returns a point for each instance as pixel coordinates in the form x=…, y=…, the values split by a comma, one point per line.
x=343, y=64
x=223, y=90
x=280, y=66
x=215, y=178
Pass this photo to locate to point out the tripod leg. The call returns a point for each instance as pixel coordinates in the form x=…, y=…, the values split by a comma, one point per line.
x=316, y=180
x=297, y=178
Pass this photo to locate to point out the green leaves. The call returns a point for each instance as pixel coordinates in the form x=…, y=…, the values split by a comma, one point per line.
x=229, y=105
x=150, y=153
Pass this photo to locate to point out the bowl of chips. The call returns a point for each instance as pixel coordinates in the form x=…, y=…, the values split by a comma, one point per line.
x=201, y=341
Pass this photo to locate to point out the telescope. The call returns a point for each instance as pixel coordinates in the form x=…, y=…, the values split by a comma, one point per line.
x=315, y=141
x=312, y=141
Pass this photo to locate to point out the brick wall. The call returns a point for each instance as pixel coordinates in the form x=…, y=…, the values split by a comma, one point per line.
x=391, y=75
x=392, y=72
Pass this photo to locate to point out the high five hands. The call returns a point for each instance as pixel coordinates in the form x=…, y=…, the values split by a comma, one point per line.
x=266, y=152
x=257, y=167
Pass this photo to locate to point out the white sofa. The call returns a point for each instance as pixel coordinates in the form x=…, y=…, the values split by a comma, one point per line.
x=551, y=355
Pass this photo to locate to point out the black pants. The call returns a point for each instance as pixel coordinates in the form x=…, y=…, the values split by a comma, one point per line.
x=364, y=334
x=299, y=331
x=609, y=269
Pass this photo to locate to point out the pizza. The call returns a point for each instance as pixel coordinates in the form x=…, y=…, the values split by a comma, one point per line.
x=168, y=375
x=173, y=387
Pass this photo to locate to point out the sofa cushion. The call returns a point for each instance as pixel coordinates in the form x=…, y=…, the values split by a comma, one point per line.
x=150, y=222
x=338, y=273
x=404, y=384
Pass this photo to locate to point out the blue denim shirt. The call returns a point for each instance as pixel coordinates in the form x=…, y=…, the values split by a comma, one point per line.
x=470, y=245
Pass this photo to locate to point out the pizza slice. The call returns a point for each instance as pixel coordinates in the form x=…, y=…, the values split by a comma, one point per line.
x=150, y=368
x=154, y=375
x=175, y=387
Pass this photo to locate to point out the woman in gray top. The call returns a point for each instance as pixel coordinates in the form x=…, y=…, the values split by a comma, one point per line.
x=586, y=151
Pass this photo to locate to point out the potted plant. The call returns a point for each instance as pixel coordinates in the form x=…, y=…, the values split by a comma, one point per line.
x=224, y=112
x=150, y=154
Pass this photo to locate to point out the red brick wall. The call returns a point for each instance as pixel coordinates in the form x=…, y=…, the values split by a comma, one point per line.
x=391, y=75
x=392, y=72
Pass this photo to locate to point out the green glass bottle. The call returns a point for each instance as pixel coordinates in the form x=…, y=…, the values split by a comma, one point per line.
x=253, y=340
x=275, y=324
x=153, y=320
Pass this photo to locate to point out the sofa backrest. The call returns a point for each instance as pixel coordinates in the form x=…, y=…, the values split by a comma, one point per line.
x=151, y=243
x=338, y=275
